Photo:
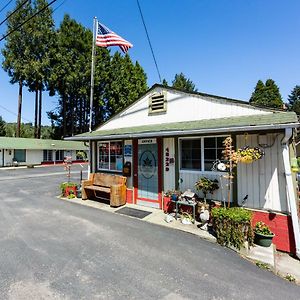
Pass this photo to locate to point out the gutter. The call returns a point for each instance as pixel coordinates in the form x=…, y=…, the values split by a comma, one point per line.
x=290, y=188
x=147, y=134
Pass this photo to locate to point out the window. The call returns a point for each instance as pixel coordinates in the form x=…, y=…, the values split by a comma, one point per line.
x=199, y=154
x=110, y=155
x=157, y=103
x=20, y=155
x=59, y=155
x=191, y=154
x=213, y=147
x=47, y=155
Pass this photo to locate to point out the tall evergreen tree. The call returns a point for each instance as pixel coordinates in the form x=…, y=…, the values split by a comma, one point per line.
x=70, y=78
x=41, y=42
x=294, y=100
x=165, y=83
x=2, y=127
x=182, y=83
x=127, y=82
x=16, y=51
x=267, y=95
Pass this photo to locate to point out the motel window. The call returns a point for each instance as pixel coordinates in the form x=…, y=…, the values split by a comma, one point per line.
x=199, y=154
x=110, y=155
x=20, y=155
x=59, y=155
x=47, y=155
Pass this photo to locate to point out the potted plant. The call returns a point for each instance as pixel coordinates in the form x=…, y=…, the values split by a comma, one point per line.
x=187, y=218
x=263, y=235
x=249, y=155
x=66, y=187
x=169, y=196
x=206, y=185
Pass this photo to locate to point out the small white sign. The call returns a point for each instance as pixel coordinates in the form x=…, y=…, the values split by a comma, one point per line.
x=147, y=141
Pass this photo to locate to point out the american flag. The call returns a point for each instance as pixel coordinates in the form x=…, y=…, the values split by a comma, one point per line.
x=106, y=38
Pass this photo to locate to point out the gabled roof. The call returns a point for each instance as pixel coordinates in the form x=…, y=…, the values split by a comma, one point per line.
x=39, y=144
x=216, y=98
x=271, y=121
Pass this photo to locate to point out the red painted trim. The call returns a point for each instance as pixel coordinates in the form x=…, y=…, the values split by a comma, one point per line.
x=159, y=170
x=135, y=170
x=281, y=225
x=148, y=200
x=129, y=196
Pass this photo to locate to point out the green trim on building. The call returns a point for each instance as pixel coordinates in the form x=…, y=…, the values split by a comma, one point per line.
x=39, y=144
x=272, y=118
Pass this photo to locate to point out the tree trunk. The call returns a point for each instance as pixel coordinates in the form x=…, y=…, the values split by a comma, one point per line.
x=36, y=110
x=40, y=114
x=64, y=115
x=18, y=131
x=81, y=114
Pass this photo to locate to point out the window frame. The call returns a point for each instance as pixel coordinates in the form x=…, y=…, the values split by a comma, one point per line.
x=202, y=169
x=23, y=154
x=109, y=156
x=46, y=153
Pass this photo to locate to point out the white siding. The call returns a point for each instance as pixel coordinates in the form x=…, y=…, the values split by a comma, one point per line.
x=185, y=107
x=34, y=156
x=169, y=168
x=8, y=156
x=188, y=179
x=263, y=181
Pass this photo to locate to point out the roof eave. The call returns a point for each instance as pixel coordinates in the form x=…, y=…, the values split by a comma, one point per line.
x=185, y=132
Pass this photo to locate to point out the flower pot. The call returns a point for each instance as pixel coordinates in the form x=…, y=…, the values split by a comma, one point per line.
x=263, y=240
x=69, y=189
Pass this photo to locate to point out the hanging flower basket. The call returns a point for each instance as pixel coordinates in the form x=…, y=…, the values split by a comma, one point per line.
x=248, y=155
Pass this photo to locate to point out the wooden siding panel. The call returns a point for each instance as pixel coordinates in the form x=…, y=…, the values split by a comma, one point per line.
x=189, y=179
x=191, y=108
x=169, y=175
x=263, y=181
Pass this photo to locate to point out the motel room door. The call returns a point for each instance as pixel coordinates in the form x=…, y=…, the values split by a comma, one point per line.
x=148, y=172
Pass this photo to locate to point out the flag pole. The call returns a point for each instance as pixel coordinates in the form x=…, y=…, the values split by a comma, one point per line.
x=92, y=73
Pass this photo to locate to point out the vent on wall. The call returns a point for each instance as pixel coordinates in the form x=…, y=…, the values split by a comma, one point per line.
x=157, y=103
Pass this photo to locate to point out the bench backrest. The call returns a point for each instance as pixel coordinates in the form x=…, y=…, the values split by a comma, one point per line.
x=107, y=180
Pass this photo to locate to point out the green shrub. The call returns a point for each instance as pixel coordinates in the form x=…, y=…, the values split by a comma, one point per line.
x=232, y=226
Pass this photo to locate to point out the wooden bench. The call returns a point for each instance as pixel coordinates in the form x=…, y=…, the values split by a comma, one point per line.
x=105, y=186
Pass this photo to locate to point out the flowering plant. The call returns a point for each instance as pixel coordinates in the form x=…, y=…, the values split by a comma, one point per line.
x=206, y=185
x=169, y=193
x=262, y=228
x=248, y=155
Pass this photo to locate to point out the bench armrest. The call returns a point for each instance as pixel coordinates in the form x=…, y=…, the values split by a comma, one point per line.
x=117, y=194
x=86, y=183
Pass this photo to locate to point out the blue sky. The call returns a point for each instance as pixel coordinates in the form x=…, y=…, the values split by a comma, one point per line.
x=223, y=46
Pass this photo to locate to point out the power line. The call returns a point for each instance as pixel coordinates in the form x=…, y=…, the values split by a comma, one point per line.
x=148, y=40
x=5, y=5
x=26, y=21
x=14, y=11
x=11, y=112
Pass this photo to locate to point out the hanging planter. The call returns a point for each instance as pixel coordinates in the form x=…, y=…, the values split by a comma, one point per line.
x=249, y=155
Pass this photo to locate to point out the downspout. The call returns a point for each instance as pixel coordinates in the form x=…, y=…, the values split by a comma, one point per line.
x=290, y=188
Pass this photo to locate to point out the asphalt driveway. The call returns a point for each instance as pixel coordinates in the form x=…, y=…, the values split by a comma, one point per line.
x=52, y=249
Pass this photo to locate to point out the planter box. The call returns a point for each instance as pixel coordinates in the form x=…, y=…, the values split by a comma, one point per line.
x=168, y=205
